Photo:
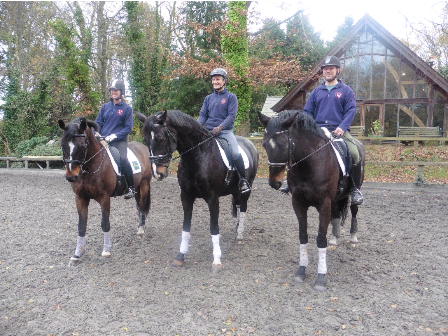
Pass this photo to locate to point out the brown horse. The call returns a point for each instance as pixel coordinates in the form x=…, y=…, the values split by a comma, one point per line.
x=92, y=176
x=294, y=140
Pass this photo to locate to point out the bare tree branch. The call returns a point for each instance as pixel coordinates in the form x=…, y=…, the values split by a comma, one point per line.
x=275, y=24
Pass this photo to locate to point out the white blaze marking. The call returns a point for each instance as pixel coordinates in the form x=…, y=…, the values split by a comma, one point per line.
x=272, y=143
x=72, y=148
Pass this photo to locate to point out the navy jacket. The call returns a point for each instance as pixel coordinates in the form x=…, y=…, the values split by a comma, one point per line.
x=332, y=109
x=219, y=109
x=115, y=119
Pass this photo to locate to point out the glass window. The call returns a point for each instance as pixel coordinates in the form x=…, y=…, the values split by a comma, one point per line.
x=438, y=96
x=378, y=47
x=405, y=118
x=364, y=77
x=407, y=81
x=439, y=110
x=420, y=115
x=350, y=72
x=392, y=66
x=357, y=119
x=372, y=113
x=390, y=120
x=390, y=52
x=351, y=48
x=421, y=88
x=365, y=43
x=378, y=77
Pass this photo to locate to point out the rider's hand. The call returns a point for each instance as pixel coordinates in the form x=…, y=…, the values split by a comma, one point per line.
x=217, y=130
x=111, y=137
x=338, y=131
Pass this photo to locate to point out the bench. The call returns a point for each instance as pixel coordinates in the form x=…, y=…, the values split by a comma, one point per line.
x=425, y=132
x=357, y=131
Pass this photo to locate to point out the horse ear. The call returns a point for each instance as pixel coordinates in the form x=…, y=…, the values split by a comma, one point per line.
x=83, y=125
x=140, y=116
x=162, y=118
x=263, y=118
x=61, y=124
x=289, y=121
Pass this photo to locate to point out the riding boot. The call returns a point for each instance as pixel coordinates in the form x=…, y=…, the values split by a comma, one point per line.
x=243, y=185
x=285, y=188
x=129, y=175
x=355, y=193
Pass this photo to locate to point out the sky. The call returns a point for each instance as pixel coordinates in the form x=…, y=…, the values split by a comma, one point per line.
x=326, y=16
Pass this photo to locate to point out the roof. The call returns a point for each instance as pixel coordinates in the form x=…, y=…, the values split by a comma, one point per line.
x=387, y=39
x=267, y=107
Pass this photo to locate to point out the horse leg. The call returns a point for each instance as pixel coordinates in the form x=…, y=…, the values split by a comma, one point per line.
x=301, y=214
x=241, y=215
x=324, y=220
x=105, y=226
x=187, y=204
x=213, y=206
x=82, y=205
x=336, y=231
x=143, y=199
x=354, y=224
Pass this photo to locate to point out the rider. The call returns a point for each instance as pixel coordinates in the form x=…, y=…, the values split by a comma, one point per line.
x=332, y=105
x=218, y=113
x=116, y=121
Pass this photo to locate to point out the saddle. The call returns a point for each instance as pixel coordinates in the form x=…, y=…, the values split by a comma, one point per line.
x=227, y=157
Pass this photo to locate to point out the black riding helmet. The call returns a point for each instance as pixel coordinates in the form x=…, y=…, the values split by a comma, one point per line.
x=221, y=72
x=331, y=61
x=118, y=84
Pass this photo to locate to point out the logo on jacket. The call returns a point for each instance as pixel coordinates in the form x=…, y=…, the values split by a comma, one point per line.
x=338, y=94
x=223, y=101
x=120, y=112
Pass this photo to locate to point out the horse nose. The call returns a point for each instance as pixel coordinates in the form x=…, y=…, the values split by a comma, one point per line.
x=275, y=184
x=71, y=178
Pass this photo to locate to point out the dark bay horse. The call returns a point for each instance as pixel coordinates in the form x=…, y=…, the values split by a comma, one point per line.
x=293, y=139
x=201, y=172
x=92, y=176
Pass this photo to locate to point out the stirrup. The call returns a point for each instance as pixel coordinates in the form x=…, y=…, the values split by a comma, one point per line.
x=244, y=186
x=130, y=193
x=356, y=197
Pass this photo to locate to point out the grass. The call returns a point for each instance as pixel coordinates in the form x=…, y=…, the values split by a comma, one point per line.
x=376, y=173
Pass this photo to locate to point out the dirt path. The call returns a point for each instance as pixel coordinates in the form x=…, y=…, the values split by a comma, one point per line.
x=394, y=283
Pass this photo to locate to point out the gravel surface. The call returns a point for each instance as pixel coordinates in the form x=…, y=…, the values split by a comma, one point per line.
x=395, y=282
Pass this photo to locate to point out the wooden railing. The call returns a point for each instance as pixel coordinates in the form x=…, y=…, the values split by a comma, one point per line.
x=35, y=159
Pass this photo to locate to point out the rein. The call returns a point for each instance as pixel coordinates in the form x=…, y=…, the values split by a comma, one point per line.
x=290, y=159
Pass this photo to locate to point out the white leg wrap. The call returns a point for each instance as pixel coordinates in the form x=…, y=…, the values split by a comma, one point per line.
x=303, y=255
x=322, y=266
x=185, y=241
x=216, y=248
x=240, y=230
x=80, y=246
x=107, y=243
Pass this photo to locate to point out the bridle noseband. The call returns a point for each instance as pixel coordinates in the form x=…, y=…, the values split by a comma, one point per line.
x=159, y=160
x=84, y=160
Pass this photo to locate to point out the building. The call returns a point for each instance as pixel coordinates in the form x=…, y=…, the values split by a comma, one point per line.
x=390, y=81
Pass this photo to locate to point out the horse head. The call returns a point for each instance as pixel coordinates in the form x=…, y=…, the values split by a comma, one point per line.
x=160, y=140
x=277, y=145
x=74, y=145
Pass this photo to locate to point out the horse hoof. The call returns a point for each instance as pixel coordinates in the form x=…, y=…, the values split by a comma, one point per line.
x=216, y=268
x=74, y=261
x=141, y=231
x=299, y=277
x=177, y=263
x=353, y=244
x=320, y=285
x=240, y=240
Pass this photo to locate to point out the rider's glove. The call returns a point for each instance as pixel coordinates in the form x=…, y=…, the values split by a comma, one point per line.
x=217, y=130
x=110, y=138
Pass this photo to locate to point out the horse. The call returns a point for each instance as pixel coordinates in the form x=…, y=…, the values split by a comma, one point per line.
x=201, y=172
x=293, y=139
x=91, y=174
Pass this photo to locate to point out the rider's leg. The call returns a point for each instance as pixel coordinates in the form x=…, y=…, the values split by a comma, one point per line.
x=356, y=195
x=126, y=168
x=237, y=159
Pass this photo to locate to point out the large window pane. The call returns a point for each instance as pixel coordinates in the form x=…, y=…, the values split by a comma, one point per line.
x=364, y=77
x=351, y=48
x=420, y=115
x=378, y=77
x=365, y=43
x=405, y=115
x=421, y=88
x=372, y=113
x=393, y=66
x=438, y=115
x=350, y=72
x=407, y=81
x=378, y=47
x=390, y=120
x=357, y=119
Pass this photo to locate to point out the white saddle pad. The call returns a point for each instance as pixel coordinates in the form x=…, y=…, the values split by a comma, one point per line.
x=338, y=155
x=224, y=157
x=135, y=164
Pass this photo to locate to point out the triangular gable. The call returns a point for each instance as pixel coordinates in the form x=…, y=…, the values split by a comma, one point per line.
x=389, y=41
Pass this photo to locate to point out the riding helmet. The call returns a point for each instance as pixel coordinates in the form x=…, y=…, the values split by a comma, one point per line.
x=118, y=84
x=331, y=61
x=221, y=72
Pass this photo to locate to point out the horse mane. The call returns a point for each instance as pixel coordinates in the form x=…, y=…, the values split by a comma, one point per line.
x=306, y=122
x=275, y=121
x=71, y=131
x=180, y=119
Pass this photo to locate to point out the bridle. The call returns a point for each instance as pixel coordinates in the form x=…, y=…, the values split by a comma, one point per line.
x=158, y=159
x=84, y=160
x=291, y=162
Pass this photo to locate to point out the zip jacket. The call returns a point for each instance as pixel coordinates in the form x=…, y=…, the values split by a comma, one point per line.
x=332, y=109
x=219, y=109
x=115, y=119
